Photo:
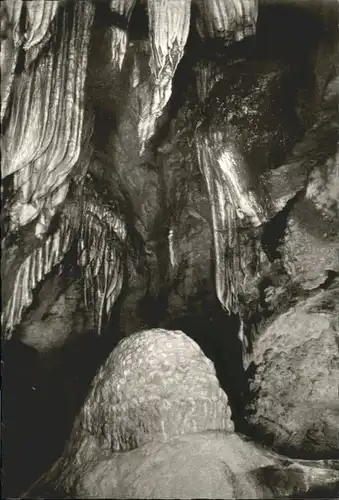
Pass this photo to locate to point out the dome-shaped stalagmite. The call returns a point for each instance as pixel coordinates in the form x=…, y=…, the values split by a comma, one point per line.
x=159, y=384
x=171, y=166
x=157, y=399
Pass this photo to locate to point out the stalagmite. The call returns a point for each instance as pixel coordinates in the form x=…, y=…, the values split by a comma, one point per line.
x=157, y=424
x=43, y=140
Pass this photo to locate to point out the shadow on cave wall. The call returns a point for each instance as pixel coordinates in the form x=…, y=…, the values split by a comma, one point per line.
x=42, y=394
x=216, y=333
x=39, y=406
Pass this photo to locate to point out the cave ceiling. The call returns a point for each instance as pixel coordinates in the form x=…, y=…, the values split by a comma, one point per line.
x=174, y=164
x=128, y=124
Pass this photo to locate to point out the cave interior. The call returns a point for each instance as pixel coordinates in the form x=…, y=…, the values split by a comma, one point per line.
x=263, y=96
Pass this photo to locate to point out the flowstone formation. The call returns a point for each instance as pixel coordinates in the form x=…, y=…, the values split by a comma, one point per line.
x=90, y=157
x=156, y=424
x=51, y=150
x=171, y=164
x=158, y=384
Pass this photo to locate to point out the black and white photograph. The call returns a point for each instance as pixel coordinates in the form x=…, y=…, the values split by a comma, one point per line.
x=169, y=249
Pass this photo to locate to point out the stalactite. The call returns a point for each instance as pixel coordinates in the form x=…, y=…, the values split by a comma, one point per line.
x=150, y=99
x=169, y=26
x=37, y=32
x=40, y=15
x=43, y=140
x=169, y=23
x=231, y=20
x=100, y=250
x=34, y=269
x=233, y=205
x=10, y=42
x=58, y=195
x=13, y=8
x=119, y=36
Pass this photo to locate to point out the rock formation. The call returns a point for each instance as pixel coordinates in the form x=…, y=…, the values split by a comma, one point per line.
x=296, y=380
x=157, y=401
x=174, y=164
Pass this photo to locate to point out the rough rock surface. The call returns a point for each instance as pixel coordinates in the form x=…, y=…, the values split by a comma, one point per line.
x=156, y=425
x=211, y=464
x=309, y=255
x=311, y=242
x=205, y=465
x=295, y=388
x=59, y=316
x=146, y=155
x=296, y=384
x=159, y=384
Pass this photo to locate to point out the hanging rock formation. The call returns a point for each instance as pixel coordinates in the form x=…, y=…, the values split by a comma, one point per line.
x=41, y=162
x=39, y=16
x=47, y=129
x=231, y=21
x=295, y=386
x=174, y=164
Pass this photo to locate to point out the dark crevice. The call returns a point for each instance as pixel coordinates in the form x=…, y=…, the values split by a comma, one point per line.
x=35, y=394
x=138, y=26
x=7, y=191
x=105, y=17
x=35, y=389
x=104, y=123
x=20, y=64
x=331, y=278
x=273, y=40
x=183, y=89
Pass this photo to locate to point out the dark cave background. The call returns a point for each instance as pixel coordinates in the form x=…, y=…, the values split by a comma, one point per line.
x=42, y=395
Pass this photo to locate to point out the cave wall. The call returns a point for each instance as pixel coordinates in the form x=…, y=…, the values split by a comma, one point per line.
x=192, y=183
